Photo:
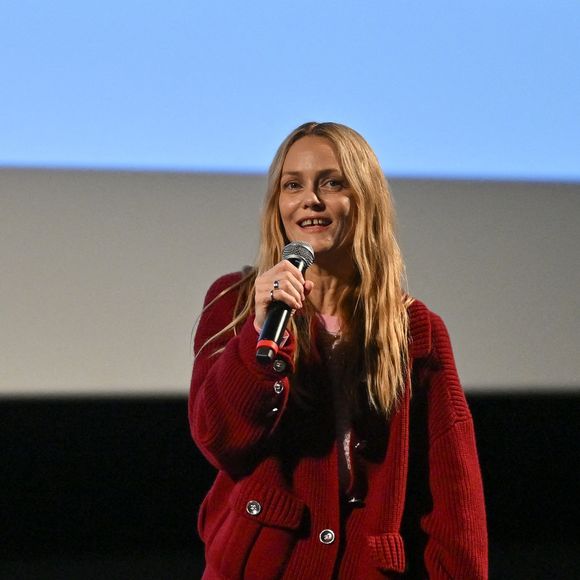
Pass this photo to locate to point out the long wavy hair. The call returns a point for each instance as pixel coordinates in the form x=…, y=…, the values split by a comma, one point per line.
x=374, y=309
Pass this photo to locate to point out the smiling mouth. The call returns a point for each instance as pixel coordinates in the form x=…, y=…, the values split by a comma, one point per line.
x=312, y=222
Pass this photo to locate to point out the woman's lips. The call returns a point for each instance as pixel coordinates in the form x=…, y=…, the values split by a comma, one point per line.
x=314, y=223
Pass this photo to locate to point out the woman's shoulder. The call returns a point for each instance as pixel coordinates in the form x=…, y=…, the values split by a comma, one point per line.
x=226, y=283
x=420, y=312
x=219, y=306
x=424, y=327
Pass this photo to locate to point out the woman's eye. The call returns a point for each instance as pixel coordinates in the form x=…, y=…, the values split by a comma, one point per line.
x=292, y=185
x=334, y=184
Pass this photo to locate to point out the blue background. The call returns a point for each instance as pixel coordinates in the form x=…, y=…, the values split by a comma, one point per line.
x=448, y=89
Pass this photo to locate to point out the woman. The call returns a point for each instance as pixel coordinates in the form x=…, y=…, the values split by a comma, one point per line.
x=353, y=455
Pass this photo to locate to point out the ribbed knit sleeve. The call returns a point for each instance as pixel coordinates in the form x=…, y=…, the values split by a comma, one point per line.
x=235, y=403
x=456, y=526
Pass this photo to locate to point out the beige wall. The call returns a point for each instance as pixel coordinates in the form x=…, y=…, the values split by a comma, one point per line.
x=102, y=274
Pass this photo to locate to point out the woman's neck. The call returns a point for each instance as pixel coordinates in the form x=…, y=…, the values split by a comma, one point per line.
x=330, y=284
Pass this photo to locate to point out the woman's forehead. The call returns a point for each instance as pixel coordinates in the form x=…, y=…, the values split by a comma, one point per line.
x=310, y=152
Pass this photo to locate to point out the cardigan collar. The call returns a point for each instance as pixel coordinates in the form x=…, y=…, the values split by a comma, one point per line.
x=419, y=330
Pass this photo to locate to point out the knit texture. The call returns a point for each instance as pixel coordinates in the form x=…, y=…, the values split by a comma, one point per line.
x=282, y=457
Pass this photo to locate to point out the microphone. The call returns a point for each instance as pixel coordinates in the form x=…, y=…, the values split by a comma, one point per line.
x=301, y=255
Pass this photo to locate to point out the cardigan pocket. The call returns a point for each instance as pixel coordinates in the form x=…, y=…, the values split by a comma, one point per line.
x=388, y=551
x=258, y=533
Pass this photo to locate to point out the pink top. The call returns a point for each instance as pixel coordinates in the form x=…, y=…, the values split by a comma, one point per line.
x=331, y=323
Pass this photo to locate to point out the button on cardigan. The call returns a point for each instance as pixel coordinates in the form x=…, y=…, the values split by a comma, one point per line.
x=420, y=506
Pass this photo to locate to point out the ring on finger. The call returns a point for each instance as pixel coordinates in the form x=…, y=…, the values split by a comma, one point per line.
x=276, y=284
x=271, y=295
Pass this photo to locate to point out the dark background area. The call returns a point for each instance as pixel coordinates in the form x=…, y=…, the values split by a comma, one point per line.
x=109, y=488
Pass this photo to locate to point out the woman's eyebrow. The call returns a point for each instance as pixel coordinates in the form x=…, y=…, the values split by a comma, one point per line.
x=322, y=172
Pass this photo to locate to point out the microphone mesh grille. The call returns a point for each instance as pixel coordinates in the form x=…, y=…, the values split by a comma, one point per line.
x=301, y=250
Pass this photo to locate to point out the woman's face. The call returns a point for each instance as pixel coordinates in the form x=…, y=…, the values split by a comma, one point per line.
x=315, y=201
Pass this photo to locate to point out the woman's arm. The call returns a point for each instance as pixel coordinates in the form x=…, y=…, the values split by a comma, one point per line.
x=456, y=526
x=234, y=403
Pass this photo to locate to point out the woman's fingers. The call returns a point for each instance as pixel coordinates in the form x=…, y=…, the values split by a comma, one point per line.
x=277, y=286
x=284, y=283
x=287, y=291
x=308, y=285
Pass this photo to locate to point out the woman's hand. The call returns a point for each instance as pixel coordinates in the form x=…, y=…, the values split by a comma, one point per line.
x=291, y=288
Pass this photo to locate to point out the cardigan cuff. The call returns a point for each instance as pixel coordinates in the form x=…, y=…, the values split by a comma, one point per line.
x=284, y=361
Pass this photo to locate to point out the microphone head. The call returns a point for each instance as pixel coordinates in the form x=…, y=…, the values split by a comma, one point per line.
x=299, y=251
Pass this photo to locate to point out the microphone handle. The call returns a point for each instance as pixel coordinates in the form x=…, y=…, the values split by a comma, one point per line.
x=275, y=324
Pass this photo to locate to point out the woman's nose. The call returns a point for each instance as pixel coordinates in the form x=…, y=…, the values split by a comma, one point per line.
x=311, y=197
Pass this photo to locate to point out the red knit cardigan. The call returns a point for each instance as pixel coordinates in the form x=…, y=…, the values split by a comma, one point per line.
x=415, y=504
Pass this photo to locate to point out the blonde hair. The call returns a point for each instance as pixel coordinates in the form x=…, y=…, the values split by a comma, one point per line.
x=377, y=299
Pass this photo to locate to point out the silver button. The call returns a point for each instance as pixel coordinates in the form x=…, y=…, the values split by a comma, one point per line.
x=354, y=500
x=327, y=536
x=253, y=507
x=278, y=387
x=279, y=365
x=272, y=412
x=360, y=445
